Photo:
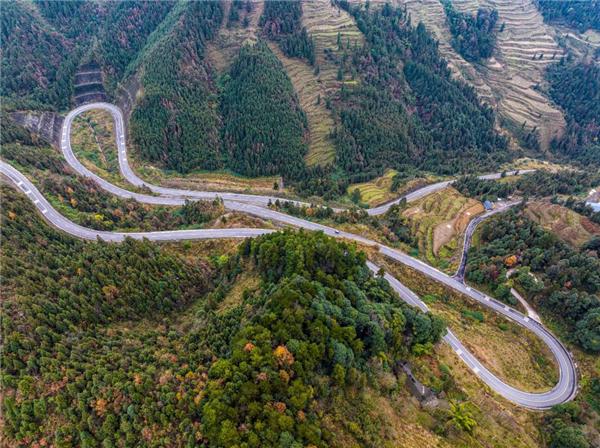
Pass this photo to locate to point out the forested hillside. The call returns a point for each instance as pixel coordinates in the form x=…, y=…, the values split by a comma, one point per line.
x=37, y=65
x=175, y=121
x=120, y=28
x=569, y=281
x=111, y=344
x=581, y=15
x=396, y=105
x=45, y=42
x=474, y=37
x=281, y=22
x=575, y=86
x=264, y=127
x=406, y=109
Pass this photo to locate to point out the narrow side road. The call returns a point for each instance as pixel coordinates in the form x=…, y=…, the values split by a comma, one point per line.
x=460, y=272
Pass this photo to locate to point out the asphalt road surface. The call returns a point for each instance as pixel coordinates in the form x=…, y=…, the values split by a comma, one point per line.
x=248, y=198
x=70, y=227
x=564, y=390
x=460, y=272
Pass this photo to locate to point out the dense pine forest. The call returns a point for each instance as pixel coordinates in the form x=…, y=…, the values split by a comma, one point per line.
x=45, y=42
x=288, y=340
x=264, y=127
x=401, y=69
x=175, y=122
x=396, y=105
x=281, y=22
x=581, y=15
x=575, y=87
x=474, y=37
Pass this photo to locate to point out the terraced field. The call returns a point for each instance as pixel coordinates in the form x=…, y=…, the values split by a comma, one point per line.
x=225, y=47
x=377, y=191
x=568, y=225
x=438, y=220
x=323, y=22
x=508, y=79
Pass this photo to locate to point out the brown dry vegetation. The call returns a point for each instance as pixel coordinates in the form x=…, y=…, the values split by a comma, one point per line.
x=223, y=49
x=512, y=352
x=568, y=225
x=527, y=163
x=246, y=280
x=210, y=181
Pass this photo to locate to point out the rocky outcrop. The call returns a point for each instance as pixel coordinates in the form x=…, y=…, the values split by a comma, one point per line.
x=46, y=125
x=128, y=93
x=88, y=84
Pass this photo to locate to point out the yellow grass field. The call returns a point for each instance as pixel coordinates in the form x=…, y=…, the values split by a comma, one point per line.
x=376, y=191
x=568, y=225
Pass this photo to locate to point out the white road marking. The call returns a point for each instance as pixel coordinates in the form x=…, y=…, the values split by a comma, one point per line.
x=551, y=398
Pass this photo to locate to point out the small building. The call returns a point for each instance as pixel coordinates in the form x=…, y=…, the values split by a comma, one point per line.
x=488, y=205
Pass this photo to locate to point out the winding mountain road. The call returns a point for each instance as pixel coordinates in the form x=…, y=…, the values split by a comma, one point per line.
x=563, y=391
x=134, y=179
x=460, y=272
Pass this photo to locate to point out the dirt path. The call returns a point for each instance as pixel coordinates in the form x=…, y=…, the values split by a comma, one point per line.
x=530, y=311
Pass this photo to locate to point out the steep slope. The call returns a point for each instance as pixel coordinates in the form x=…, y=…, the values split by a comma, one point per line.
x=174, y=120
x=221, y=50
x=324, y=22
x=509, y=78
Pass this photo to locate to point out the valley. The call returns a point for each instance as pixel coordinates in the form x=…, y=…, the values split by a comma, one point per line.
x=298, y=224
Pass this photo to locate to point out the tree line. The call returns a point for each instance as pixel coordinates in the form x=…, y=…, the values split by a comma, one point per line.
x=575, y=87
x=580, y=15
x=95, y=352
x=400, y=68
